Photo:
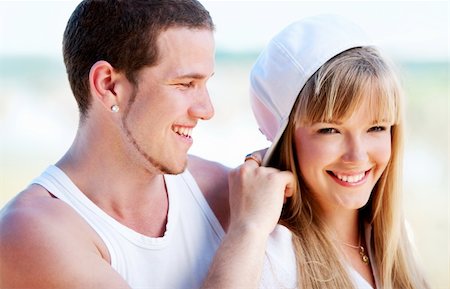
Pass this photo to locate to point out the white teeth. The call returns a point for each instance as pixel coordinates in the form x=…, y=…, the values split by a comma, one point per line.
x=184, y=131
x=350, y=179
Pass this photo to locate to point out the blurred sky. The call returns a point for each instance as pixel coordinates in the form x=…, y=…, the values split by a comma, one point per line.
x=416, y=31
x=408, y=29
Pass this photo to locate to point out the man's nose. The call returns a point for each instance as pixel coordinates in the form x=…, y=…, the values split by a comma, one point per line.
x=202, y=108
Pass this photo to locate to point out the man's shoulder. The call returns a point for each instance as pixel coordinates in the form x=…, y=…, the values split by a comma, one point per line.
x=35, y=215
x=34, y=204
x=212, y=179
x=42, y=240
x=201, y=168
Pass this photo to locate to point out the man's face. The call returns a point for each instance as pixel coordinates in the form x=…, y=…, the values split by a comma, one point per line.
x=169, y=100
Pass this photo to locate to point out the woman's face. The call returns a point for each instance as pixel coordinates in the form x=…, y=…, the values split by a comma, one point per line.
x=341, y=161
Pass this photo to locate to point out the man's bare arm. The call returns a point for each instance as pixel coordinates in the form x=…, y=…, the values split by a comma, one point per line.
x=44, y=244
x=256, y=198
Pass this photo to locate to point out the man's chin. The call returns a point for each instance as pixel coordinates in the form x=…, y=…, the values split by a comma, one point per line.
x=174, y=170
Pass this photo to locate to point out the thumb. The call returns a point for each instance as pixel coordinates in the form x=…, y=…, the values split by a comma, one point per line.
x=291, y=185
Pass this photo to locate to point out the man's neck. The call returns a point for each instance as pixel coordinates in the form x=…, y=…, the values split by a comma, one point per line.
x=133, y=196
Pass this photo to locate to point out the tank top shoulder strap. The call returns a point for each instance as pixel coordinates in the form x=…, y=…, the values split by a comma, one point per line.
x=194, y=189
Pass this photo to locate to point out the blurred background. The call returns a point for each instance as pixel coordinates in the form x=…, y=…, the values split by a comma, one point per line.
x=38, y=115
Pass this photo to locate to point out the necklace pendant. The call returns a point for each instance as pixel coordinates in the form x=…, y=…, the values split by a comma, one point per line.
x=363, y=255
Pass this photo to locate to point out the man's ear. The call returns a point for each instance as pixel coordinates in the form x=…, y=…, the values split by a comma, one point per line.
x=103, y=79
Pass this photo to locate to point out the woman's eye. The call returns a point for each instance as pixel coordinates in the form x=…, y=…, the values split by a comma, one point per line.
x=327, y=130
x=377, y=128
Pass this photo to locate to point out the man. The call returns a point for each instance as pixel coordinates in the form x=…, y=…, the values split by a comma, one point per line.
x=118, y=210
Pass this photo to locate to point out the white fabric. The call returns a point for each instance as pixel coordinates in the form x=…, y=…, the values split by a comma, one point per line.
x=280, y=264
x=179, y=259
x=280, y=267
x=289, y=60
x=359, y=281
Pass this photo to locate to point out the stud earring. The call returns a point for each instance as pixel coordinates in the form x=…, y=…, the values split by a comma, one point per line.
x=115, y=108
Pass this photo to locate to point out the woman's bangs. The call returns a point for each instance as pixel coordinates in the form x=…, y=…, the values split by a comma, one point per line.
x=383, y=99
x=338, y=98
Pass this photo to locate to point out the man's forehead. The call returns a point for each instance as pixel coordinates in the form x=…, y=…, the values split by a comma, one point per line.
x=186, y=53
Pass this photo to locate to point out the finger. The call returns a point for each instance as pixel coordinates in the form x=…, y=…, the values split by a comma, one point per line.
x=290, y=183
x=260, y=153
x=253, y=158
x=250, y=165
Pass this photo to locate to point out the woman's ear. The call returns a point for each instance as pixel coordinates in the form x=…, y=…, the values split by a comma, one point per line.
x=102, y=81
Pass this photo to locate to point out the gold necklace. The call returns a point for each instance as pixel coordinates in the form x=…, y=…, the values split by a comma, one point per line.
x=362, y=251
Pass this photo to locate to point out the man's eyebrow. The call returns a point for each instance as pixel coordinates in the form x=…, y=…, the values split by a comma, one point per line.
x=193, y=76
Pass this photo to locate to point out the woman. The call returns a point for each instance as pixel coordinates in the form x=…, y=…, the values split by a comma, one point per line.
x=332, y=108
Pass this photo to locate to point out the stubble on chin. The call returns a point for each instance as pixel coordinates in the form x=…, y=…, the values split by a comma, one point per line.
x=153, y=165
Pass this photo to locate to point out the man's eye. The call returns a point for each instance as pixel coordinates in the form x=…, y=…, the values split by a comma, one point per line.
x=327, y=130
x=186, y=84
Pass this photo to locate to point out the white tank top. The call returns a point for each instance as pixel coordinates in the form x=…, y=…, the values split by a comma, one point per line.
x=179, y=259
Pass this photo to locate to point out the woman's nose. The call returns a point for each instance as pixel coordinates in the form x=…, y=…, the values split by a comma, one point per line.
x=355, y=150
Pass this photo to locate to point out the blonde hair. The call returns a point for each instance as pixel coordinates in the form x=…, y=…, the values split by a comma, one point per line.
x=334, y=92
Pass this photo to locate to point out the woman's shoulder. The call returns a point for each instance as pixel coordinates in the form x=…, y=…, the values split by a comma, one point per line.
x=280, y=266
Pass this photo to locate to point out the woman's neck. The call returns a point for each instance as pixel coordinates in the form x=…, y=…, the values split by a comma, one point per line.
x=344, y=225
